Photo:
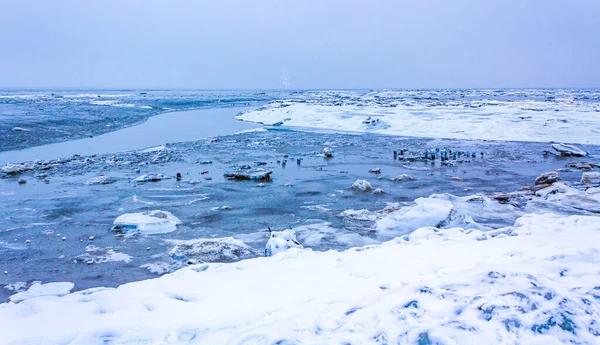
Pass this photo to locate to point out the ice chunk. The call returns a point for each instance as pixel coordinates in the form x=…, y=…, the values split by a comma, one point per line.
x=328, y=152
x=361, y=185
x=201, y=250
x=149, y=178
x=100, y=180
x=42, y=290
x=547, y=178
x=569, y=150
x=425, y=212
x=281, y=241
x=590, y=177
x=251, y=175
x=402, y=178
x=152, y=222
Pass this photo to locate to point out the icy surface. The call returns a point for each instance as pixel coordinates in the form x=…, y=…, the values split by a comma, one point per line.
x=524, y=115
x=152, y=222
x=536, y=282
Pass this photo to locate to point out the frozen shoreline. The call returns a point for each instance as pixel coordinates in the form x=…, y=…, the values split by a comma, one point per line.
x=445, y=277
x=535, y=282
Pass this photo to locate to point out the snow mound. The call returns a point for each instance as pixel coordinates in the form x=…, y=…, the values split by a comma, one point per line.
x=281, y=241
x=535, y=282
x=152, y=222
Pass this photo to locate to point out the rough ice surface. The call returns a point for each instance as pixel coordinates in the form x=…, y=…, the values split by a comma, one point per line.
x=535, y=282
x=152, y=222
x=406, y=113
x=280, y=241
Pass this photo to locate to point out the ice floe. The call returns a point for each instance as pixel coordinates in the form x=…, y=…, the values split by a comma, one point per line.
x=151, y=222
x=459, y=119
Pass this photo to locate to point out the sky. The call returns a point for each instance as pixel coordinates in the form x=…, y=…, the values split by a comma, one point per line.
x=223, y=44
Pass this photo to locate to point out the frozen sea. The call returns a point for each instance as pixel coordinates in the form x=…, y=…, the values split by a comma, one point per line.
x=443, y=159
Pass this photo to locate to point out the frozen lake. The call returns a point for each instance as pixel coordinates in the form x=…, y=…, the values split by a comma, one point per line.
x=161, y=129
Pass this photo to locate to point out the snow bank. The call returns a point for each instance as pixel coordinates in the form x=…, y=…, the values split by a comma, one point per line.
x=534, y=283
x=152, y=222
x=488, y=120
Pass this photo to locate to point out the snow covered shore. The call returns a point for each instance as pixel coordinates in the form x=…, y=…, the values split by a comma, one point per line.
x=537, y=282
x=491, y=120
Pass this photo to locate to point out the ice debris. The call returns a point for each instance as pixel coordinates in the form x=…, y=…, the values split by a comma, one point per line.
x=328, y=152
x=151, y=222
x=281, y=241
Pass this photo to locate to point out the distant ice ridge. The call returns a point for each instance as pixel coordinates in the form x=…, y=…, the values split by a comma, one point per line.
x=535, y=282
x=571, y=120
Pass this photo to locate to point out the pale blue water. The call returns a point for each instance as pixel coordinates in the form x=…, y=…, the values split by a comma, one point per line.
x=161, y=129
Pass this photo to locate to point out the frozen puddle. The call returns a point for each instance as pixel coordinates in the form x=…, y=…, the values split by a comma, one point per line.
x=161, y=129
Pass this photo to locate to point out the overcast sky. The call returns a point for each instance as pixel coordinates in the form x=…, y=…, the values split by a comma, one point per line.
x=322, y=44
